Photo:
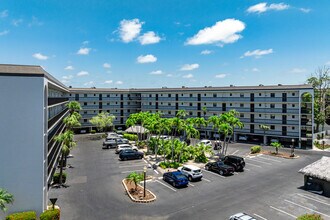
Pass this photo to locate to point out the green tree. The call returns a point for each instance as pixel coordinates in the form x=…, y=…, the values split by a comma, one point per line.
x=102, y=121
x=264, y=128
x=5, y=198
x=135, y=178
x=72, y=121
x=201, y=151
x=276, y=145
x=73, y=106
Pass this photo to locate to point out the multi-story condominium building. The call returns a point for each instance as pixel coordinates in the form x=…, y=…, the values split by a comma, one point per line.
x=33, y=106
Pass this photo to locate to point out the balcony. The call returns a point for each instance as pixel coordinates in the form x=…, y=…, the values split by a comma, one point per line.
x=55, y=119
x=56, y=100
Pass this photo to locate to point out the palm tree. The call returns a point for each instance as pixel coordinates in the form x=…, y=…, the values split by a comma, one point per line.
x=72, y=120
x=181, y=114
x=264, y=128
x=204, y=109
x=135, y=177
x=73, y=106
x=215, y=121
x=276, y=145
x=5, y=198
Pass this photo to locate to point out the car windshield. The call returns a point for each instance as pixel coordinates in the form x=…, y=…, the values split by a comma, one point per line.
x=220, y=163
x=179, y=176
x=196, y=171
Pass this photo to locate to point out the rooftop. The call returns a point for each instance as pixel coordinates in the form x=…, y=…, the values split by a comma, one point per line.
x=319, y=169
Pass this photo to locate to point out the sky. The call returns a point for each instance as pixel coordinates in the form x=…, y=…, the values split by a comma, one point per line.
x=173, y=43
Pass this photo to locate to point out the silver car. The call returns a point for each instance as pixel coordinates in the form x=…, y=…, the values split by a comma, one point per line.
x=191, y=172
x=241, y=216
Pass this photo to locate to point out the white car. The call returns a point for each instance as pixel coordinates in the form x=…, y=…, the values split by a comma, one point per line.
x=206, y=142
x=241, y=216
x=191, y=172
x=121, y=147
x=242, y=138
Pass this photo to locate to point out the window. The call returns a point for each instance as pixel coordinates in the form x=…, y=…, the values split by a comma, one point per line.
x=149, y=95
x=161, y=94
x=150, y=103
x=272, y=105
x=94, y=94
x=293, y=116
x=214, y=104
x=190, y=104
x=169, y=95
x=272, y=95
x=190, y=95
x=293, y=105
x=85, y=120
x=204, y=103
x=85, y=103
x=241, y=95
x=169, y=104
x=128, y=110
x=293, y=128
x=116, y=110
x=190, y=113
x=272, y=116
x=230, y=104
x=85, y=112
x=293, y=94
x=259, y=115
x=204, y=94
x=169, y=112
x=70, y=94
x=85, y=95
x=94, y=111
x=230, y=94
x=108, y=103
x=259, y=94
x=259, y=105
x=94, y=103
x=241, y=115
x=116, y=94
x=181, y=94
x=116, y=103
x=214, y=95
x=128, y=103
x=272, y=127
x=108, y=111
x=241, y=105
x=108, y=96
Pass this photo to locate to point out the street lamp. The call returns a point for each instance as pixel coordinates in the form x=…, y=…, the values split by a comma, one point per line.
x=53, y=201
x=323, y=142
x=292, y=148
x=144, y=181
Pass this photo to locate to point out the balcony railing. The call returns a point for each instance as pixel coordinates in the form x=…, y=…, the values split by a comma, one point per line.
x=56, y=100
x=53, y=120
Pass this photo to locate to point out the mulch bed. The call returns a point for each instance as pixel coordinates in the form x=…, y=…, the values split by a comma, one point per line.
x=138, y=194
x=280, y=154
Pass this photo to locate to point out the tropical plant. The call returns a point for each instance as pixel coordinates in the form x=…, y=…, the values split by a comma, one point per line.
x=201, y=150
x=5, y=198
x=135, y=178
x=310, y=217
x=73, y=106
x=102, y=121
x=264, y=128
x=255, y=149
x=72, y=121
x=276, y=145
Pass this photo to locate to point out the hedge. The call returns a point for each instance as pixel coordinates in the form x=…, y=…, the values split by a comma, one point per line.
x=56, y=177
x=30, y=215
x=50, y=215
x=131, y=137
x=255, y=149
x=165, y=165
x=310, y=217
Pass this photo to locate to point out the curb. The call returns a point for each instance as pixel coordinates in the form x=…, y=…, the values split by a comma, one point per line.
x=139, y=201
x=256, y=154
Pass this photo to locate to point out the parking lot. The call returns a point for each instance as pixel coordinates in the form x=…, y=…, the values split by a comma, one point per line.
x=269, y=188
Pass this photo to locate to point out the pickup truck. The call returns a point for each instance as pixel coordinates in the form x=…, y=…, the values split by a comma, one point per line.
x=113, y=142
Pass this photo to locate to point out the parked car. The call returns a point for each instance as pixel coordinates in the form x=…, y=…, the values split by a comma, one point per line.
x=175, y=178
x=130, y=154
x=217, y=145
x=121, y=147
x=219, y=167
x=191, y=172
x=235, y=161
x=242, y=138
x=206, y=142
x=241, y=216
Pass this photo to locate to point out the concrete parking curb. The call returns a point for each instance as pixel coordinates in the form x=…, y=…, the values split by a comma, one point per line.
x=136, y=200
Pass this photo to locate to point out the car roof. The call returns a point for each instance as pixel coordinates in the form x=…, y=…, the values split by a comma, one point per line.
x=124, y=145
x=204, y=140
x=176, y=172
x=192, y=167
x=243, y=216
x=234, y=157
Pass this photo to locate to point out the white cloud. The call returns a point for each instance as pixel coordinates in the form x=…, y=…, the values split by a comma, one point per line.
x=67, y=77
x=83, y=51
x=305, y=10
x=107, y=65
x=35, y=22
x=146, y=59
x=69, y=68
x=298, y=70
x=188, y=67
x=223, y=32
x=263, y=7
x=65, y=81
x=255, y=69
x=327, y=63
x=169, y=75
x=188, y=76
x=149, y=38
x=119, y=82
x=17, y=22
x=85, y=42
x=156, y=72
x=4, y=14
x=5, y=32
x=89, y=83
x=220, y=76
x=108, y=81
x=257, y=53
x=39, y=56
x=206, y=52
x=130, y=29
x=82, y=73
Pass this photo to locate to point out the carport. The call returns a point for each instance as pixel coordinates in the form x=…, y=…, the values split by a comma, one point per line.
x=317, y=176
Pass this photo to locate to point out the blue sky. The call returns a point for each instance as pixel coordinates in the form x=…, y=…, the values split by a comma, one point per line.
x=153, y=43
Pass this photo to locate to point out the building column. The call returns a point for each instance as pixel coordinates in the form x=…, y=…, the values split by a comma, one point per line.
x=265, y=140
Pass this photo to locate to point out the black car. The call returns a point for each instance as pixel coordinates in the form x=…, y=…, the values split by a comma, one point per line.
x=130, y=154
x=219, y=167
x=235, y=161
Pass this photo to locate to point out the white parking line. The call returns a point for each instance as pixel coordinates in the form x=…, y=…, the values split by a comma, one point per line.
x=279, y=210
x=166, y=185
x=214, y=174
x=253, y=165
x=190, y=184
x=258, y=161
x=301, y=206
x=206, y=179
x=266, y=158
x=156, y=171
x=247, y=169
x=316, y=200
x=145, y=161
x=135, y=165
x=259, y=216
x=235, y=152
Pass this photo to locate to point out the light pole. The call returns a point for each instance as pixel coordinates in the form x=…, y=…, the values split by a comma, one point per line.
x=53, y=201
x=323, y=142
x=292, y=148
x=144, y=181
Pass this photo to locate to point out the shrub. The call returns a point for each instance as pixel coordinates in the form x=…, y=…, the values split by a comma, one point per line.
x=93, y=131
x=56, y=178
x=310, y=217
x=30, y=215
x=255, y=149
x=131, y=137
x=165, y=165
x=50, y=215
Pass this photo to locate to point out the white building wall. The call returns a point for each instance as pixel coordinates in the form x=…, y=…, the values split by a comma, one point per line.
x=22, y=141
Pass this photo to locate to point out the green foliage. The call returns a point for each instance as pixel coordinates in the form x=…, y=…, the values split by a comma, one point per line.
x=50, y=215
x=72, y=121
x=5, y=198
x=135, y=177
x=165, y=165
x=131, y=137
x=199, y=153
x=102, y=121
x=73, y=106
x=56, y=177
x=310, y=217
x=30, y=215
x=93, y=131
x=276, y=145
x=255, y=149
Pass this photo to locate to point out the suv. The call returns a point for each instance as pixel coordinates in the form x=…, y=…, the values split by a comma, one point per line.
x=206, y=142
x=130, y=154
x=121, y=147
x=241, y=216
x=235, y=161
x=220, y=168
x=191, y=172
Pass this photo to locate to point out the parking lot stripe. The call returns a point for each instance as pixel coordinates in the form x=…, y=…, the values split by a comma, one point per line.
x=145, y=161
x=206, y=179
x=156, y=171
x=135, y=165
x=253, y=165
x=263, y=162
x=266, y=158
x=247, y=169
x=259, y=216
x=301, y=206
x=191, y=184
x=165, y=185
x=316, y=200
x=130, y=171
x=214, y=174
x=279, y=210
x=235, y=152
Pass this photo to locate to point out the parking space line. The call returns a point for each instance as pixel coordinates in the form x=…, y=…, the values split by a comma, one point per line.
x=253, y=165
x=247, y=169
x=258, y=161
x=165, y=185
x=156, y=171
x=284, y=212
x=135, y=165
x=145, y=161
x=206, y=179
x=130, y=171
x=235, y=152
x=190, y=184
x=301, y=206
x=266, y=158
x=316, y=200
x=259, y=216
x=214, y=174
